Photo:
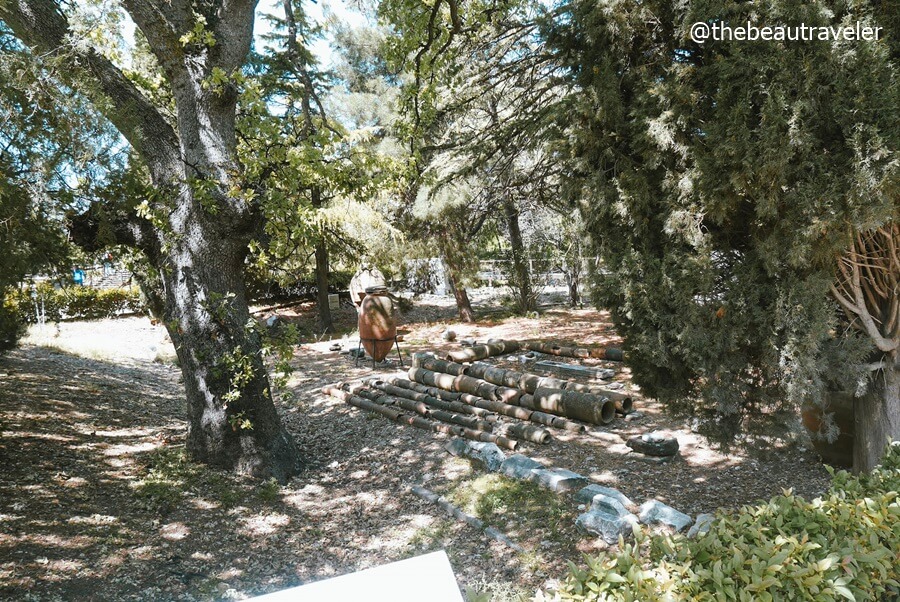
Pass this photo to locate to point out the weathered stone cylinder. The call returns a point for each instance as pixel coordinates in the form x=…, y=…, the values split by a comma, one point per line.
x=429, y=362
x=571, y=404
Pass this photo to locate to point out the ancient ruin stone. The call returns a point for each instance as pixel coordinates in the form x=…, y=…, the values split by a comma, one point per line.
x=457, y=447
x=701, y=525
x=606, y=525
x=654, y=511
x=487, y=453
x=518, y=466
x=654, y=444
x=559, y=480
x=609, y=505
x=586, y=495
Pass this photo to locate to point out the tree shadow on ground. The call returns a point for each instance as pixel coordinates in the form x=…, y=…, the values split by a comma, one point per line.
x=97, y=501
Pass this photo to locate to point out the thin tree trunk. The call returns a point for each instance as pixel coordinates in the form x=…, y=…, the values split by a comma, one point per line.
x=463, y=305
x=877, y=417
x=322, y=273
x=521, y=273
x=572, y=278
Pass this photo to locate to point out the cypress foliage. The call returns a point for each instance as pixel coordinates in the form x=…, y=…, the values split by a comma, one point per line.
x=722, y=183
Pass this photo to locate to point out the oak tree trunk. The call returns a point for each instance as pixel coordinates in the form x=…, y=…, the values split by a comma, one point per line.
x=877, y=417
x=232, y=422
x=195, y=230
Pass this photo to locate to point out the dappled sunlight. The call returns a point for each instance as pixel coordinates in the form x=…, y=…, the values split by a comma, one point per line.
x=94, y=519
x=34, y=435
x=263, y=524
x=100, y=479
x=204, y=504
x=174, y=531
x=130, y=450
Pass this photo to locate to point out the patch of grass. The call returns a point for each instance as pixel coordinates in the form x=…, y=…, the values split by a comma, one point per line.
x=171, y=475
x=493, y=590
x=269, y=491
x=496, y=499
x=428, y=538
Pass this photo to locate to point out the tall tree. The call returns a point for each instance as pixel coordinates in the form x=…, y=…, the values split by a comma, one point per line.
x=476, y=109
x=195, y=226
x=739, y=193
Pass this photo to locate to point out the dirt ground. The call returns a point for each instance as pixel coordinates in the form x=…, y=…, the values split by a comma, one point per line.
x=97, y=501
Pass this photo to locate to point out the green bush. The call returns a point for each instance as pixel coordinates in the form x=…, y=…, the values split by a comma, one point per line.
x=12, y=324
x=842, y=546
x=77, y=302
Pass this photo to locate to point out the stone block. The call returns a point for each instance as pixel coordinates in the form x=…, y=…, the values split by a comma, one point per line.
x=701, y=525
x=609, y=505
x=488, y=454
x=558, y=479
x=587, y=494
x=608, y=526
x=518, y=466
x=457, y=447
x=654, y=444
x=654, y=511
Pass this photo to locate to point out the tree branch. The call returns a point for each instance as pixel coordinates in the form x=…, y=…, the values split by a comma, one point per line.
x=42, y=25
x=233, y=30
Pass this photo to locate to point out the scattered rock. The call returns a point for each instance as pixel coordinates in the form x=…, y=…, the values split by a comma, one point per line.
x=559, y=480
x=607, y=526
x=614, y=386
x=467, y=342
x=518, y=466
x=587, y=494
x=654, y=444
x=634, y=416
x=609, y=505
x=701, y=525
x=457, y=447
x=654, y=511
x=448, y=335
x=335, y=347
x=488, y=454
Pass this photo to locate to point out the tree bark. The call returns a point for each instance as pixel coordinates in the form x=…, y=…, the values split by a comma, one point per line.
x=463, y=305
x=877, y=417
x=521, y=274
x=573, y=277
x=196, y=232
x=322, y=273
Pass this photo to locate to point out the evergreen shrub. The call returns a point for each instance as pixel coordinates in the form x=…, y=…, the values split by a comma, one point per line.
x=844, y=545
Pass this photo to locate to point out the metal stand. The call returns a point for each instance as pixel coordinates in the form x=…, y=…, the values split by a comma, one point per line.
x=396, y=345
